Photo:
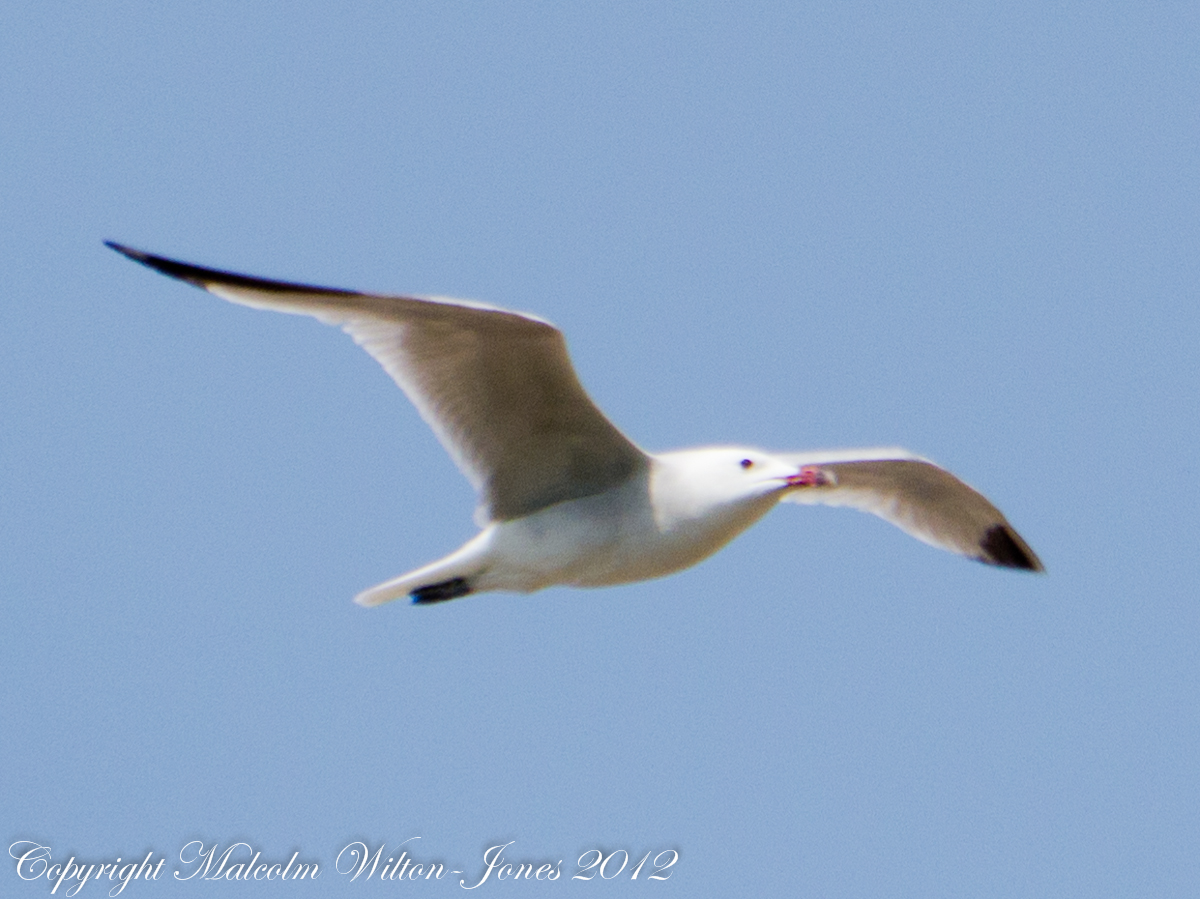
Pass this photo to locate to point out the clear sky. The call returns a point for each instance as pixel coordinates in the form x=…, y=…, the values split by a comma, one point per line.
x=969, y=230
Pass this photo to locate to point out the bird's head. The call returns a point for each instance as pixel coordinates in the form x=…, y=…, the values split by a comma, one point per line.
x=723, y=480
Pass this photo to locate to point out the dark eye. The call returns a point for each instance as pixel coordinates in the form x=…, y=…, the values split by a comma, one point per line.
x=746, y=463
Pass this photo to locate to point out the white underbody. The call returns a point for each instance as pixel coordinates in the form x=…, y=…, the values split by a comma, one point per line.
x=644, y=529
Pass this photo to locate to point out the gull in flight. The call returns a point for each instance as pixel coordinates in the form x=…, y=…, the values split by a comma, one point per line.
x=565, y=497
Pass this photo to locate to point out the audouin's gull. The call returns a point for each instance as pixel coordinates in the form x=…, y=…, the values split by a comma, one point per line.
x=566, y=498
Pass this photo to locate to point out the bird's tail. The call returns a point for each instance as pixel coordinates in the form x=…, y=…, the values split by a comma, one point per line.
x=447, y=578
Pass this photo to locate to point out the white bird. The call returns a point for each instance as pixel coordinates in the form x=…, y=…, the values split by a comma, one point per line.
x=566, y=498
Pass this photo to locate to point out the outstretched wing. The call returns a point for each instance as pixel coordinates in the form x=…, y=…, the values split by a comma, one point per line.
x=497, y=387
x=918, y=497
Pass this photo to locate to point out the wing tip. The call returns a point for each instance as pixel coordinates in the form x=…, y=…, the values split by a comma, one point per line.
x=192, y=274
x=122, y=249
x=1003, y=546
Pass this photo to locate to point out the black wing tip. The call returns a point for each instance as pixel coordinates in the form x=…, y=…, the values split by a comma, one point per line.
x=149, y=259
x=199, y=276
x=192, y=274
x=441, y=592
x=1003, y=546
x=123, y=250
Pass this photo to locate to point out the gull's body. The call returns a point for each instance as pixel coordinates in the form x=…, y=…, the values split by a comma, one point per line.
x=566, y=498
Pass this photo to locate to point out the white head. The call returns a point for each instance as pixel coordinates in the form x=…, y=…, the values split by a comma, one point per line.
x=727, y=486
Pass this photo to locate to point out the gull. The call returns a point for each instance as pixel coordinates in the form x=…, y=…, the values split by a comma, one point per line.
x=565, y=497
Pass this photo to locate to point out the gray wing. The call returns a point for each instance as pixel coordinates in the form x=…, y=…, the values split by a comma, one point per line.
x=497, y=387
x=918, y=497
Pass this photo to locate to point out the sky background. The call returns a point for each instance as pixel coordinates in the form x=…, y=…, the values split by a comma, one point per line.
x=969, y=230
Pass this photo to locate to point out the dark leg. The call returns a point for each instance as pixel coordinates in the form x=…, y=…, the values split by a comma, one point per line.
x=451, y=589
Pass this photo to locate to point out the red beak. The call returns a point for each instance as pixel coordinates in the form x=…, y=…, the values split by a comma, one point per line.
x=809, y=476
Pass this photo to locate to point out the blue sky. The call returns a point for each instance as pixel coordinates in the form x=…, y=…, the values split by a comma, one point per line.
x=970, y=231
